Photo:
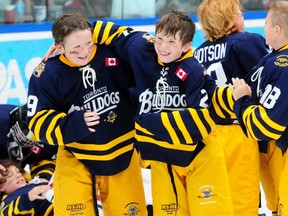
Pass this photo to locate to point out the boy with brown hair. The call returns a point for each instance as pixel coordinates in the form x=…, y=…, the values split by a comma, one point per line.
x=19, y=197
x=173, y=125
x=80, y=101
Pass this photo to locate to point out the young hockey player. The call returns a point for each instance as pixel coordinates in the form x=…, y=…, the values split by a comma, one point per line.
x=20, y=198
x=227, y=52
x=188, y=176
x=262, y=108
x=80, y=102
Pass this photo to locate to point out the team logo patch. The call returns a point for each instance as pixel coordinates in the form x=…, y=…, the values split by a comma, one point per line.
x=111, y=117
x=111, y=62
x=149, y=37
x=181, y=74
x=206, y=194
x=132, y=209
x=281, y=61
x=39, y=69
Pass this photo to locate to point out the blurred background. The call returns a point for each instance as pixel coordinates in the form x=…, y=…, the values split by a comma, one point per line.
x=25, y=11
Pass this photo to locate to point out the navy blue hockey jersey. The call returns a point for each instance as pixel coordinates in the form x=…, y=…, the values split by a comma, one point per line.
x=59, y=93
x=231, y=56
x=264, y=115
x=18, y=203
x=168, y=127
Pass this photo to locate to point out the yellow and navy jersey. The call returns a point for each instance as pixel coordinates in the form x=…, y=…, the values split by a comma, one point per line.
x=43, y=169
x=231, y=56
x=60, y=92
x=173, y=137
x=18, y=203
x=167, y=128
x=264, y=115
x=222, y=101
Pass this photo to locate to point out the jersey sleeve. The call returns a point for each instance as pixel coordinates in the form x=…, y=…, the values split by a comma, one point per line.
x=18, y=203
x=119, y=38
x=266, y=120
x=21, y=205
x=44, y=169
x=44, y=115
x=187, y=126
x=256, y=121
x=221, y=99
x=223, y=103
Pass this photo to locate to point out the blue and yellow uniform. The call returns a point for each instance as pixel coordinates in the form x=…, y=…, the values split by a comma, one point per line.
x=234, y=56
x=59, y=93
x=173, y=126
x=18, y=202
x=263, y=116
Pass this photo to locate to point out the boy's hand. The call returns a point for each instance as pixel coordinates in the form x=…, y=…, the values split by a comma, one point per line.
x=52, y=51
x=92, y=119
x=36, y=192
x=239, y=88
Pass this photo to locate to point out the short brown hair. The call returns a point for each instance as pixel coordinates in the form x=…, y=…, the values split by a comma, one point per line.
x=174, y=22
x=68, y=23
x=7, y=163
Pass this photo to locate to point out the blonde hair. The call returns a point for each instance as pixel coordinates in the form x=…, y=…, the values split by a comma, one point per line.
x=217, y=17
x=279, y=15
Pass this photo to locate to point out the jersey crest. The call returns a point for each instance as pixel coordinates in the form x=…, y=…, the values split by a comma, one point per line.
x=150, y=38
x=281, y=61
x=39, y=69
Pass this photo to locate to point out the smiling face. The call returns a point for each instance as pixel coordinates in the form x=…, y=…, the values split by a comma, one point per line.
x=14, y=180
x=77, y=47
x=168, y=47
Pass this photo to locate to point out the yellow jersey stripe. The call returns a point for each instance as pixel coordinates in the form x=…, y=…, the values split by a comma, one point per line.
x=182, y=127
x=103, y=146
x=106, y=157
x=166, y=145
x=169, y=128
x=51, y=127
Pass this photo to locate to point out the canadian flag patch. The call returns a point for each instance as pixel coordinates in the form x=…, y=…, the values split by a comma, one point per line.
x=35, y=149
x=181, y=73
x=111, y=61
